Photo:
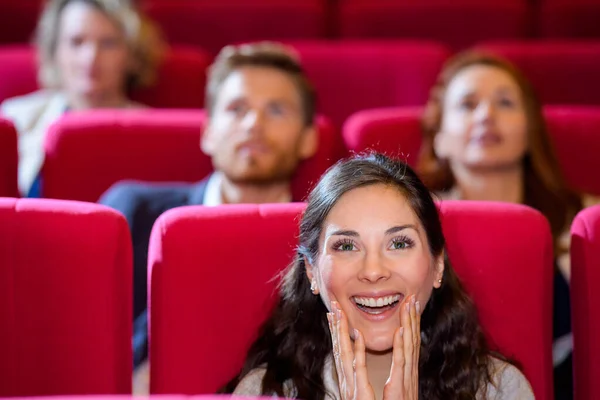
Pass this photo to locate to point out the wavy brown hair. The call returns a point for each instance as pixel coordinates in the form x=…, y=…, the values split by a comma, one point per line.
x=295, y=342
x=544, y=186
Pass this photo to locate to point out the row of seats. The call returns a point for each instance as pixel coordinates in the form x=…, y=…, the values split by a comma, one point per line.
x=350, y=76
x=214, y=24
x=163, y=145
x=67, y=324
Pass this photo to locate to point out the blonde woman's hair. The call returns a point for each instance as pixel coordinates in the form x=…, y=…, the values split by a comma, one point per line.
x=143, y=38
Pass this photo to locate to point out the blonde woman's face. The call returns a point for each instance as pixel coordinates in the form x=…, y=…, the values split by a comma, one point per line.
x=484, y=123
x=91, y=55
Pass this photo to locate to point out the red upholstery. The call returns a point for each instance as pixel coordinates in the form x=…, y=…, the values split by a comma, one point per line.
x=181, y=82
x=350, y=76
x=8, y=159
x=573, y=130
x=585, y=301
x=457, y=23
x=394, y=131
x=570, y=18
x=202, y=320
x=18, y=20
x=562, y=72
x=65, y=299
x=88, y=152
x=18, y=69
x=214, y=24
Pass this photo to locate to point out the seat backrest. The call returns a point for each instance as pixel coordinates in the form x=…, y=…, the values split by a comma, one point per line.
x=450, y=22
x=18, y=20
x=585, y=301
x=8, y=159
x=575, y=19
x=572, y=129
x=353, y=75
x=88, y=152
x=213, y=25
x=574, y=132
x=562, y=72
x=180, y=84
x=393, y=131
x=65, y=299
x=207, y=301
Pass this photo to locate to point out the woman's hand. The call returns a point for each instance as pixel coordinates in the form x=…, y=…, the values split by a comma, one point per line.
x=350, y=361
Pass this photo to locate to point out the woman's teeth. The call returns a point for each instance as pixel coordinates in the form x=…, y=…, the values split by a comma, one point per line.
x=376, y=302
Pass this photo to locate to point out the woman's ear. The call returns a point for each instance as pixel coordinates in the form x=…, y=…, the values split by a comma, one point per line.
x=438, y=275
x=314, y=287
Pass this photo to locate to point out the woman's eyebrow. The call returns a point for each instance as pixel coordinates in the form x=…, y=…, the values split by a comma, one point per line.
x=344, y=233
x=398, y=228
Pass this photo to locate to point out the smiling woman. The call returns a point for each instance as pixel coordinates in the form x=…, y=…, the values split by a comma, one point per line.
x=371, y=308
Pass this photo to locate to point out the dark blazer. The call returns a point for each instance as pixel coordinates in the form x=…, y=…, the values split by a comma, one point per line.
x=142, y=204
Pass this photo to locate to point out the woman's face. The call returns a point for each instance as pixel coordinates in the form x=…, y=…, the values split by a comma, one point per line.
x=484, y=124
x=373, y=254
x=92, y=54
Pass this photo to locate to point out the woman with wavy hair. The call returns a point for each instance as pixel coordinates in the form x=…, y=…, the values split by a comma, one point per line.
x=371, y=307
x=485, y=138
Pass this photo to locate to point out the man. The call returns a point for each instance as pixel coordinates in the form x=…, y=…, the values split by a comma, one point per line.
x=261, y=112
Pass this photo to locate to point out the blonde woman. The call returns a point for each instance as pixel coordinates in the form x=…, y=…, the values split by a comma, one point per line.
x=91, y=53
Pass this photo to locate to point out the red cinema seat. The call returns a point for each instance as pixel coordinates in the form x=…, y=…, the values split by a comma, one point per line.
x=65, y=299
x=569, y=18
x=180, y=84
x=393, y=131
x=585, y=301
x=562, y=72
x=457, y=23
x=88, y=152
x=8, y=159
x=353, y=75
x=18, y=20
x=207, y=301
x=573, y=131
x=212, y=25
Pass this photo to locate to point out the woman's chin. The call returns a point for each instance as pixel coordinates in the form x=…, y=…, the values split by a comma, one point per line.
x=379, y=344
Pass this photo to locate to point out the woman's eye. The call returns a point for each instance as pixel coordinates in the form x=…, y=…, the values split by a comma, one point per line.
x=401, y=243
x=507, y=103
x=346, y=247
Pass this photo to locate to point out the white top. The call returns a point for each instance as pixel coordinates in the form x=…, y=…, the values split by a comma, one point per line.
x=509, y=383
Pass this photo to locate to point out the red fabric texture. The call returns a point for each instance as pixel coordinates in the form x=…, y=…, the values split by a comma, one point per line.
x=585, y=301
x=455, y=23
x=353, y=75
x=212, y=25
x=65, y=299
x=562, y=72
x=393, y=131
x=18, y=20
x=180, y=83
x=88, y=152
x=574, y=132
x=569, y=18
x=9, y=159
x=163, y=397
x=209, y=296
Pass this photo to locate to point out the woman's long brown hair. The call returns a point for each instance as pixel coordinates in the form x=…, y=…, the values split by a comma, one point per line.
x=295, y=342
x=544, y=186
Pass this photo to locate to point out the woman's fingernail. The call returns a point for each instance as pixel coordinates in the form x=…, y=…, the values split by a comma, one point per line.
x=355, y=334
x=401, y=331
x=418, y=307
x=407, y=306
x=413, y=299
x=338, y=314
